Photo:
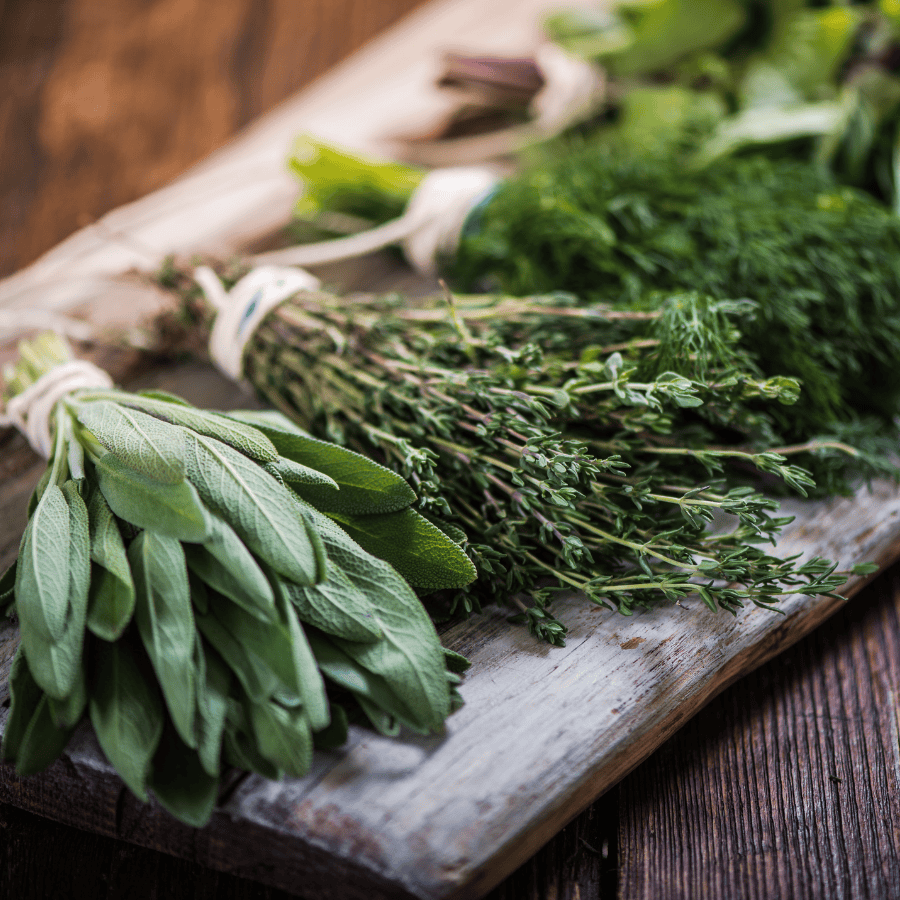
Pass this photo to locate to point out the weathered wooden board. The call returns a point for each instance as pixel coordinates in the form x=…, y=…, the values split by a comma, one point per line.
x=544, y=730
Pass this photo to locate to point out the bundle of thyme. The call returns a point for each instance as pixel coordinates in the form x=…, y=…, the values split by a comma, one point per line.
x=572, y=448
x=188, y=583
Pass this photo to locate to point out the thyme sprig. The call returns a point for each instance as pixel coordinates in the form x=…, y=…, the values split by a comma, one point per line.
x=565, y=463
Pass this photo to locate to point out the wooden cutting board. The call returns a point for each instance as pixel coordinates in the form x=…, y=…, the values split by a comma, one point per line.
x=544, y=730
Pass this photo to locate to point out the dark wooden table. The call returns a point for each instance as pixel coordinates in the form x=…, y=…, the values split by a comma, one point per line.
x=787, y=785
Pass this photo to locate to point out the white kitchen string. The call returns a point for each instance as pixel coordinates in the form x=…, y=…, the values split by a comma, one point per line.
x=573, y=89
x=429, y=229
x=31, y=410
x=241, y=310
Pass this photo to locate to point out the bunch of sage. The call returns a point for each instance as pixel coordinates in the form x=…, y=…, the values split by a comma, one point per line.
x=188, y=581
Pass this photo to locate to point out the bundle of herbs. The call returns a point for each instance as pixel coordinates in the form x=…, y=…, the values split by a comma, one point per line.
x=187, y=581
x=572, y=447
x=820, y=261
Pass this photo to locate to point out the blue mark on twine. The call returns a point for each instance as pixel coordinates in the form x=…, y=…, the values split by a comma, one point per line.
x=250, y=309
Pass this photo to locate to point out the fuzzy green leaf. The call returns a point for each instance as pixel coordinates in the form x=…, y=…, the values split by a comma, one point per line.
x=254, y=674
x=56, y=663
x=127, y=714
x=42, y=742
x=384, y=706
x=294, y=473
x=213, y=683
x=240, y=750
x=166, y=623
x=409, y=655
x=180, y=783
x=341, y=604
x=310, y=686
x=283, y=736
x=418, y=550
x=42, y=575
x=141, y=442
x=67, y=713
x=226, y=565
x=111, y=602
x=243, y=437
x=365, y=486
x=259, y=509
x=174, y=510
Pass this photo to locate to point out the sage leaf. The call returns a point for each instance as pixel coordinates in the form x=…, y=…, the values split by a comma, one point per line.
x=25, y=694
x=166, y=623
x=409, y=656
x=255, y=675
x=283, y=736
x=142, y=442
x=174, y=510
x=213, y=684
x=42, y=742
x=295, y=473
x=239, y=749
x=158, y=394
x=67, y=712
x=42, y=575
x=227, y=566
x=259, y=509
x=243, y=437
x=79, y=558
x=365, y=486
x=180, y=783
x=385, y=707
x=425, y=556
x=111, y=602
x=310, y=685
x=55, y=662
x=127, y=713
x=268, y=649
x=341, y=605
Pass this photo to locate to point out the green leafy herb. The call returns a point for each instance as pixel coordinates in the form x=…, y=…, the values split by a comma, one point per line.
x=566, y=446
x=171, y=581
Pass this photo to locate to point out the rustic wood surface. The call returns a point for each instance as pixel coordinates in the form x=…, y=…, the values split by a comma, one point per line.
x=735, y=804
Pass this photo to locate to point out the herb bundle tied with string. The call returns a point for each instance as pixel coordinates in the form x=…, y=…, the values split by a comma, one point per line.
x=187, y=583
x=569, y=448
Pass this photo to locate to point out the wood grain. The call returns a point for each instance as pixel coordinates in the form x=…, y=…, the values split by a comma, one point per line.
x=101, y=103
x=788, y=785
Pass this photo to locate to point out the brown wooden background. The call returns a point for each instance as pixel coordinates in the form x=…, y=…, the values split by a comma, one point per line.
x=787, y=785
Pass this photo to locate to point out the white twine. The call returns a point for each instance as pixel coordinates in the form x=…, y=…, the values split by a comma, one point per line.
x=430, y=227
x=573, y=89
x=438, y=210
x=242, y=309
x=31, y=410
